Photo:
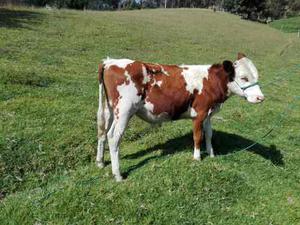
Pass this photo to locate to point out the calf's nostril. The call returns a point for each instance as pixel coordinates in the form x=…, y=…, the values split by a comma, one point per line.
x=260, y=98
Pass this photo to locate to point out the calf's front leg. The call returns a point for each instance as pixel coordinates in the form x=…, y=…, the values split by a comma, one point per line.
x=197, y=135
x=208, y=129
x=208, y=135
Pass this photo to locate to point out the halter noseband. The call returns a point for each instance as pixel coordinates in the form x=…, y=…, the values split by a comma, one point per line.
x=250, y=85
x=246, y=87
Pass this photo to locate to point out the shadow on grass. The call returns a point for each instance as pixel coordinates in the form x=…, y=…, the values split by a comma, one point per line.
x=223, y=143
x=11, y=18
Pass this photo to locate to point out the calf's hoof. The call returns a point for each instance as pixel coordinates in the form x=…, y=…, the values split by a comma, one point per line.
x=100, y=164
x=119, y=178
x=197, y=158
x=197, y=155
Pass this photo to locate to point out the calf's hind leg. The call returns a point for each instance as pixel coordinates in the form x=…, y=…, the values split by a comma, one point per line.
x=208, y=130
x=104, y=121
x=114, y=137
x=208, y=135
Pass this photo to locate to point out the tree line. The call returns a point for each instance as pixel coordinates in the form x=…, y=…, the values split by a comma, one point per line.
x=258, y=10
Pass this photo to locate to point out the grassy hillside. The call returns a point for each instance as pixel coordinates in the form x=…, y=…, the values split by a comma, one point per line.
x=48, y=104
x=290, y=25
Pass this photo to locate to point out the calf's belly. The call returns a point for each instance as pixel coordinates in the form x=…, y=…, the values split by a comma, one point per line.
x=146, y=114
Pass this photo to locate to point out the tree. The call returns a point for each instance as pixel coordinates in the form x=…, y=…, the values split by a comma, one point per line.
x=293, y=8
x=231, y=5
x=275, y=8
x=251, y=9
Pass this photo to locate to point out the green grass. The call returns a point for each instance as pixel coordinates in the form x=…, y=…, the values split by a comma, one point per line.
x=48, y=104
x=290, y=25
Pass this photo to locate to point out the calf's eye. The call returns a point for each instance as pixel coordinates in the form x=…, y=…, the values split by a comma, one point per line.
x=245, y=79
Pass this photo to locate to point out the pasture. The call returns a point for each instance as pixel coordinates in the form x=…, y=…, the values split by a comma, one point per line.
x=48, y=138
x=290, y=25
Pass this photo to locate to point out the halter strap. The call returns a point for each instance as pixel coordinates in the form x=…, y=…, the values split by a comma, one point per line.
x=246, y=87
x=251, y=85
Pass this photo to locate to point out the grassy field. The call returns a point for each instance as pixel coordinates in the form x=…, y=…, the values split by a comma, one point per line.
x=48, y=104
x=290, y=25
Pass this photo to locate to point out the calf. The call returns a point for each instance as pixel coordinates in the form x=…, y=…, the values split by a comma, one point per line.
x=158, y=93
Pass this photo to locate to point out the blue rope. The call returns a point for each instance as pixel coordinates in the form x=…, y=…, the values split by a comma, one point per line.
x=283, y=115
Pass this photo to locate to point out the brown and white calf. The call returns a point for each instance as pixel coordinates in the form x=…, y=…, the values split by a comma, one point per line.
x=158, y=93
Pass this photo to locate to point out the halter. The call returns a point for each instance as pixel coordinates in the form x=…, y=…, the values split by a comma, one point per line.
x=250, y=85
x=246, y=87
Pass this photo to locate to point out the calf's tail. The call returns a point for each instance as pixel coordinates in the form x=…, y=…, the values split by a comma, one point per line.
x=102, y=94
x=102, y=101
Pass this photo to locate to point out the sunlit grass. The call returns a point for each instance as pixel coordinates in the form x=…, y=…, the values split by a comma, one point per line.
x=290, y=25
x=48, y=104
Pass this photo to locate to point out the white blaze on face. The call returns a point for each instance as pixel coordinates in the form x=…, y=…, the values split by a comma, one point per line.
x=246, y=75
x=193, y=76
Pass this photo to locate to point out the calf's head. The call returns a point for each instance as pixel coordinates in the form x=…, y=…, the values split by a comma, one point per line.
x=245, y=81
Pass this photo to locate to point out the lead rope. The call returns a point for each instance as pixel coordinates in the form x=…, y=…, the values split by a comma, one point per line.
x=282, y=116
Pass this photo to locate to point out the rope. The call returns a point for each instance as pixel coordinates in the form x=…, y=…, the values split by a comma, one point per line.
x=282, y=116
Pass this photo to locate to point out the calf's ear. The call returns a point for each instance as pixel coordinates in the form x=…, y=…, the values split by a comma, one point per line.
x=240, y=55
x=229, y=69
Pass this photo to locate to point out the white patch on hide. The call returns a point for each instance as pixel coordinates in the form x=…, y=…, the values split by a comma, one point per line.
x=156, y=82
x=145, y=112
x=193, y=112
x=127, y=75
x=190, y=113
x=149, y=106
x=121, y=63
x=163, y=71
x=129, y=97
x=194, y=75
x=146, y=79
